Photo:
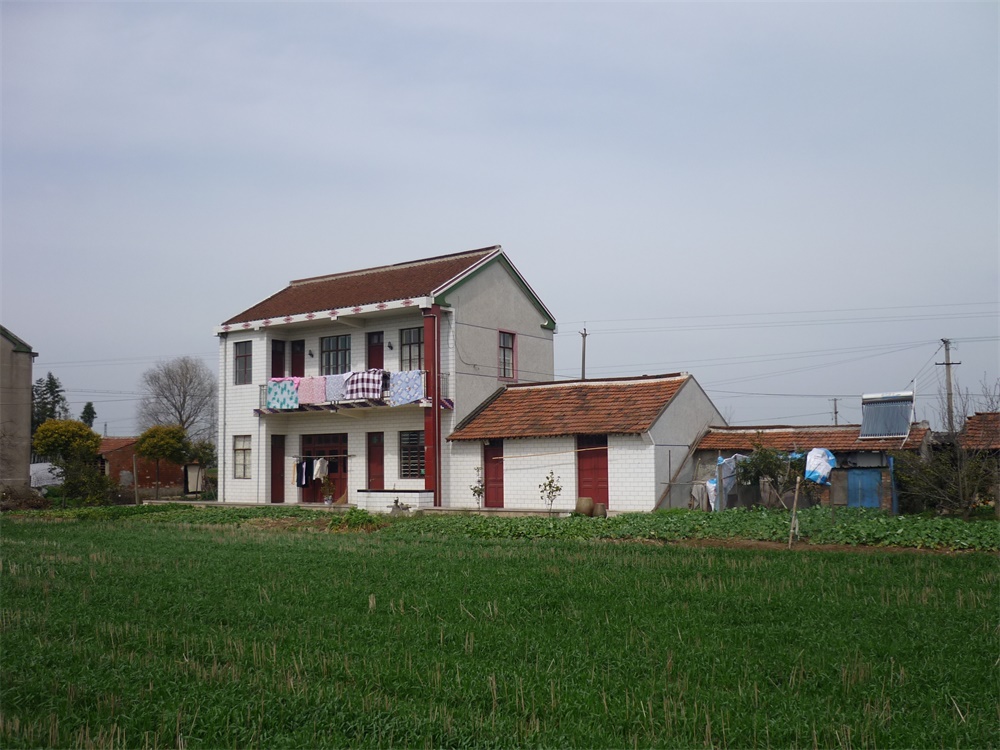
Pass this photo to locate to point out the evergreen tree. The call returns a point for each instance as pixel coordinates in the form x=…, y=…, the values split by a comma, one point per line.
x=89, y=414
x=48, y=401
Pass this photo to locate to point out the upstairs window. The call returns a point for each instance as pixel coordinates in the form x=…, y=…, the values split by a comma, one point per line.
x=411, y=349
x=335, y=355
x=243, y=362
x=411, y=454
x=505, y=357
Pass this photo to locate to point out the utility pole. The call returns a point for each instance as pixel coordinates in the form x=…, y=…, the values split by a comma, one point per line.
x=583, y=361
x=835, y=400
x=947, y=381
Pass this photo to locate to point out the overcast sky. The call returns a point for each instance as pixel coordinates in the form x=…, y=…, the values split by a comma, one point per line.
x=793, y=201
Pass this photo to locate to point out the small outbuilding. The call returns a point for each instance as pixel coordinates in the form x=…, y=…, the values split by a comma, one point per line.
x=864, y=473
x=626, y=443
x=118, y=460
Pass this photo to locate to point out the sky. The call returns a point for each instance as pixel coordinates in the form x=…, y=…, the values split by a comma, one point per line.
x=794, y=202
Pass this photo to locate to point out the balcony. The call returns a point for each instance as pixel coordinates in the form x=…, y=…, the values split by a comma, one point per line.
x=356, y=390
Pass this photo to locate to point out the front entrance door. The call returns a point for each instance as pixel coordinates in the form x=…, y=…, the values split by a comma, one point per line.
x=864, y=488
x=592, y=467
x=277, y=468
x=333, y=448
x=493, y=474
x=376, y=461
x=376, y=353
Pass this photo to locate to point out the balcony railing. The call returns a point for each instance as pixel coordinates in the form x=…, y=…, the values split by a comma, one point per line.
x=360, y=390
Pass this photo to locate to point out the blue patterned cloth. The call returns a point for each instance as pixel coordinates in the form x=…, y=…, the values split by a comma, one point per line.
x=405, y=387
x=283, y=393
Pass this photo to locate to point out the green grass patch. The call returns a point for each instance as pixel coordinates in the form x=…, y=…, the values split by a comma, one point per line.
x=166, y=631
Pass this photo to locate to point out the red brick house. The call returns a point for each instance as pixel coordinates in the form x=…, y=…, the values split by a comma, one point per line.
x=116, y=460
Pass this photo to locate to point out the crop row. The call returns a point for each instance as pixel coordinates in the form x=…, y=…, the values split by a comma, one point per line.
x=845, y=526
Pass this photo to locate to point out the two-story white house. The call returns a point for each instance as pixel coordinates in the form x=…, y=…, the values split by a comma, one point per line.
x=344, y=387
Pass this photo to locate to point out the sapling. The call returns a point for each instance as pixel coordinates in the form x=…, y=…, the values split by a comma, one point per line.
x=549, y=490
x=478, y=488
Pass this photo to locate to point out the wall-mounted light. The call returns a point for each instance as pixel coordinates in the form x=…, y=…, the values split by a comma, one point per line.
x=311, y=353
x=389, y=344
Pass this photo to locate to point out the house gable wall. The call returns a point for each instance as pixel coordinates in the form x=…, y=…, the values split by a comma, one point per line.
x=482, y=306
x=15, y=416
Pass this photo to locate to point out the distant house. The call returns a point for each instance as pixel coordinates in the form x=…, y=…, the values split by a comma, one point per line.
x=118, y=460
x=624, y=442
x=981, y=432
x=356, y=378
x=16, y=360
x=863, y=476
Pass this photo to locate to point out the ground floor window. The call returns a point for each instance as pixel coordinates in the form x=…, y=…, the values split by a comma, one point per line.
x=411, y=454
x=241, y=456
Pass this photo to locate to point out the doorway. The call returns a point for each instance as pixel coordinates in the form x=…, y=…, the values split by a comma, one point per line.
x=493, y=474
x=332, y=447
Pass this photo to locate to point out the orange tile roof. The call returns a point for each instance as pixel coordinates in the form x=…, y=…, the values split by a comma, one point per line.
x=364, y=287
x=840, y=438
x=112, y=444
x=981, y=431
x=590, y=407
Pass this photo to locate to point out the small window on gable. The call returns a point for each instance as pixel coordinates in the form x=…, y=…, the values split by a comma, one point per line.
x=506, y=362
x=243, y=362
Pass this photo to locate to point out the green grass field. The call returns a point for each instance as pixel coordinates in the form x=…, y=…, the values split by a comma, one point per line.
x=129, y=633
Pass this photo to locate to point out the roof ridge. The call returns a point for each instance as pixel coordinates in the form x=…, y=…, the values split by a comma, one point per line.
x=602, y=381
x=396, y=266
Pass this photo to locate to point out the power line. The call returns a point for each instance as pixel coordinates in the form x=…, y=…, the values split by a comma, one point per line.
x=787, y=312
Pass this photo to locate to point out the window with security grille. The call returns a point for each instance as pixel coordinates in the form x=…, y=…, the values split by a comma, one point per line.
x=411, y=454
x=334, y=355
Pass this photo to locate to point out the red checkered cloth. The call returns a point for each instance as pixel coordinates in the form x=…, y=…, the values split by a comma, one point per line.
x=364, y=385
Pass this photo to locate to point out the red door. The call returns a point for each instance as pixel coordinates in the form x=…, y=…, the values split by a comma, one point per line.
x=493, y=474
x=277, y=359
x=376, y=461
x=376, y=354
x=592, y=467
x=298, y=359
x=333, y=448
x=277, y=468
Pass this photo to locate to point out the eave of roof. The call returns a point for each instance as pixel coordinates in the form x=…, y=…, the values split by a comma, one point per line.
x=614, y=406
x=334, y=295
x=20, y=345
x=837, y=438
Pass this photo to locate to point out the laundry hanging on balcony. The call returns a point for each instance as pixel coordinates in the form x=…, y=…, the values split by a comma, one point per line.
x=312, y=390
x=405, y=387
x=364, y=385
x=336, y=386
x=283, y=393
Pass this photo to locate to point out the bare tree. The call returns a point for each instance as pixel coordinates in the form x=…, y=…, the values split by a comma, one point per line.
x=963, y=469
x=179, y=392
